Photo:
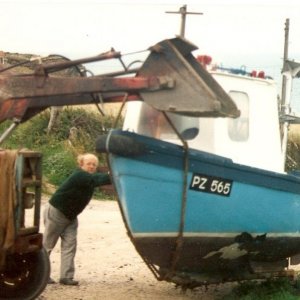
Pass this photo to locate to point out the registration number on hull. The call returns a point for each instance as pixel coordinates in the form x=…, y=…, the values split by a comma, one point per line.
x=211, y=184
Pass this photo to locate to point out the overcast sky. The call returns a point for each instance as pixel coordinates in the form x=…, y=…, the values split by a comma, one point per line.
x=227, y=30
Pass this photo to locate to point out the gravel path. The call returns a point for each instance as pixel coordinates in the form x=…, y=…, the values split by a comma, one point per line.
x=108, y=266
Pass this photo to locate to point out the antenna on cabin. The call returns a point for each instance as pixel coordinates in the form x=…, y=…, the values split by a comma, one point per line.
x=183, y=12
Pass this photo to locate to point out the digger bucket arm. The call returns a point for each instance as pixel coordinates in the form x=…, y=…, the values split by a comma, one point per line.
x=23, y=96
x=170, y=80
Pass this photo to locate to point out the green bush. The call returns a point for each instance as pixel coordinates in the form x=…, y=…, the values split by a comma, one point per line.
x=272, y=289
x=293, y=146
x=29, y=134
x=58, y=163
x=73, y=134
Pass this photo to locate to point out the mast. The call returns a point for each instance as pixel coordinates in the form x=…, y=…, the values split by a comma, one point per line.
x=285, y=57
x=183, y=12
x=286, y=93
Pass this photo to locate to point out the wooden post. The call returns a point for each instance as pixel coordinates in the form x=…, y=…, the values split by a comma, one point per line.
x=285, y=57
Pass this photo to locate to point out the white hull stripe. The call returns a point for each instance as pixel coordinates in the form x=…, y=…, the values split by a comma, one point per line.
x=212, y=234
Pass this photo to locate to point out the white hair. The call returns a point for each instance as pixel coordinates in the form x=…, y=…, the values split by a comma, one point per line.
x=82, y=157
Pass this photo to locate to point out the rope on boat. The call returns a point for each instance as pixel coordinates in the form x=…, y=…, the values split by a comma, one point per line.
x=179, y=241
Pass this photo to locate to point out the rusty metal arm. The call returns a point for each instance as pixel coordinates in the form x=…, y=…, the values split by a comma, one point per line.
x=55, y=67
x=22, y=97
x=16, y=87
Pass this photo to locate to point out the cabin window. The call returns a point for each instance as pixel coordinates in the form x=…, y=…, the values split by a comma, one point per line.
x=238, y=128
x=153, y=123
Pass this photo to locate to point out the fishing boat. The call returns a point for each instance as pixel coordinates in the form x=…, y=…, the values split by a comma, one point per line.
x=203, y=190
x=198, y=166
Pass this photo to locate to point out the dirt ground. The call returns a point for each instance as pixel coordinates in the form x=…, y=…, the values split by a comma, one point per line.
x=108, y=266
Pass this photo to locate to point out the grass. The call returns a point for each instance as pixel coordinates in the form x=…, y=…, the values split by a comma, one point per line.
x=294, y=133
x=293, y=149
x=272, y=289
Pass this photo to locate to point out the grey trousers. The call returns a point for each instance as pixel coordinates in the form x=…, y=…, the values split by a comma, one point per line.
x=58, y=226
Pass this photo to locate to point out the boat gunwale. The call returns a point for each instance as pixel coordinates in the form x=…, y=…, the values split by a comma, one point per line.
x=286, y=182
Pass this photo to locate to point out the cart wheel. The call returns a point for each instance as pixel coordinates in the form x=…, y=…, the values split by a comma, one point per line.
x=25, y=276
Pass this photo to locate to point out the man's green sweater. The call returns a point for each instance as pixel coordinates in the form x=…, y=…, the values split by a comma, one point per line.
x=76, y=192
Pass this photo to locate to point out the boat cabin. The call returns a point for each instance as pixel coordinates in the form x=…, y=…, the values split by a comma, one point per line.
x=252, y=139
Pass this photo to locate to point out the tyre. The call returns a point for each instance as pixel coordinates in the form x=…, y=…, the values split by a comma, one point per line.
x=25, y=276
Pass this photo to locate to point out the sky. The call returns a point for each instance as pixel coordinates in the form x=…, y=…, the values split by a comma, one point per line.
x=244, y=32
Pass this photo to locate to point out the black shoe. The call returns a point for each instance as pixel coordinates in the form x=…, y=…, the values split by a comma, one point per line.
x=51, y=281
x=68, y=281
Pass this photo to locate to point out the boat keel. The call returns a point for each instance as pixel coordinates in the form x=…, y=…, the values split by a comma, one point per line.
x=206, y=260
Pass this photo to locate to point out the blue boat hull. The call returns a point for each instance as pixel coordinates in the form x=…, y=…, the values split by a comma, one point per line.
x=225, y=217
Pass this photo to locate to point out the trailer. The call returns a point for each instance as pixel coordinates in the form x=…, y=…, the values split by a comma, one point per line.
x=24, y=264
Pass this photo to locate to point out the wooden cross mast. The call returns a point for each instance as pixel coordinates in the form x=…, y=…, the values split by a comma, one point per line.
x=183, y=11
